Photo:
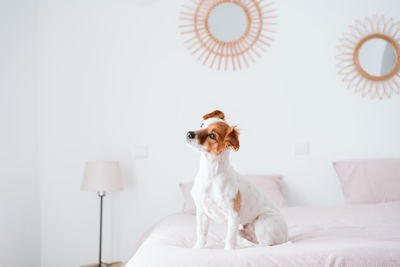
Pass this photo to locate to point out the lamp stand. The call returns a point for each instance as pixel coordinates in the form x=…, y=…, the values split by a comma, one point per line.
x=101, y=194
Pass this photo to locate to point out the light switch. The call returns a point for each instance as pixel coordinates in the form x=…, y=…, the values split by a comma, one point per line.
x=301, y=148
x=140, y=152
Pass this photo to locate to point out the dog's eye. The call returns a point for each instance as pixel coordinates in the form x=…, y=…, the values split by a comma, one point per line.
x=212, y=136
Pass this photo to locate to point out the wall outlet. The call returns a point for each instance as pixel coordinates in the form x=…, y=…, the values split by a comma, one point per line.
x=301, y=148
x=141, y=152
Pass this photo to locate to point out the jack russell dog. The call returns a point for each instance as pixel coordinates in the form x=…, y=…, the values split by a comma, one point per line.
x=223, y=195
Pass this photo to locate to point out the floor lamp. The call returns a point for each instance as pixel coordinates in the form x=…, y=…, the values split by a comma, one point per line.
x=102, y=176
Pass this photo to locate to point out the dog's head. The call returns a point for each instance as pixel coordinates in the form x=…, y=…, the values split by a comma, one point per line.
x=215, y=135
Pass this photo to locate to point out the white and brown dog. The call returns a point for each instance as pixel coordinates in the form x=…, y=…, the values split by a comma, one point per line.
x=223, y=195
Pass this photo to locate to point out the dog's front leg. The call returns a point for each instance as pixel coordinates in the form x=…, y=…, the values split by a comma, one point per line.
x=233, y=225
x=202, y=222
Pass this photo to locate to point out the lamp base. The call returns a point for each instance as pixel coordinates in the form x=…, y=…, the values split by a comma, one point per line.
x=104, y=264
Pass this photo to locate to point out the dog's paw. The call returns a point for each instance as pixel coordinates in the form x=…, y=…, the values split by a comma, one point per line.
x=229, y=247
x=244, y=243
x=199, y=245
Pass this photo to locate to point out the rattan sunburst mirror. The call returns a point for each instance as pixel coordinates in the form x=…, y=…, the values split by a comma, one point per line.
x=227, y=34
x=369, y=57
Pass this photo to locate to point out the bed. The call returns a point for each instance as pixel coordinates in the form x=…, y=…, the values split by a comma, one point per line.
x=345, y=235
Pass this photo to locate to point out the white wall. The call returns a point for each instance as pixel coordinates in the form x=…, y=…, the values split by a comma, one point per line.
x=115, y=75
x=19, y=180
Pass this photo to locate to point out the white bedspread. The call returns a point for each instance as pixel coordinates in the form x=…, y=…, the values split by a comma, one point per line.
x=357, y=235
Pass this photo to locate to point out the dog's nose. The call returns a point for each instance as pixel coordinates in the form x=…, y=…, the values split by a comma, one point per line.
x=190, y=135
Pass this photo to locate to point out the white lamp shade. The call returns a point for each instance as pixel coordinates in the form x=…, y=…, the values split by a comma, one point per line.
x=102, y=175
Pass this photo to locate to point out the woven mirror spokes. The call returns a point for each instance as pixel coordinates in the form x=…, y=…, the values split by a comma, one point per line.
x=219, y=39
x=369, y=57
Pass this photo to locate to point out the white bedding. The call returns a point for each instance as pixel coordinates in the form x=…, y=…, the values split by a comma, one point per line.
x=356, y=235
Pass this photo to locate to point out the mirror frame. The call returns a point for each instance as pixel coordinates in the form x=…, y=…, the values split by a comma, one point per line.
x=383, y=86
x=395, y=67
x=233, y=55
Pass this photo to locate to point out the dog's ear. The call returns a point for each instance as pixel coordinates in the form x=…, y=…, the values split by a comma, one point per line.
x=232, y=139
x=215, y=114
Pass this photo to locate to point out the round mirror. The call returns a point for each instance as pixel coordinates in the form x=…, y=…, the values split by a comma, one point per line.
x=227, y=22
x=369, y=57
x=377, y=57
x=228, y=34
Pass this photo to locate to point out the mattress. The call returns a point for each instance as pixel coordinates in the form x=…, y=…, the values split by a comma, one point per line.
x=346, y=235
